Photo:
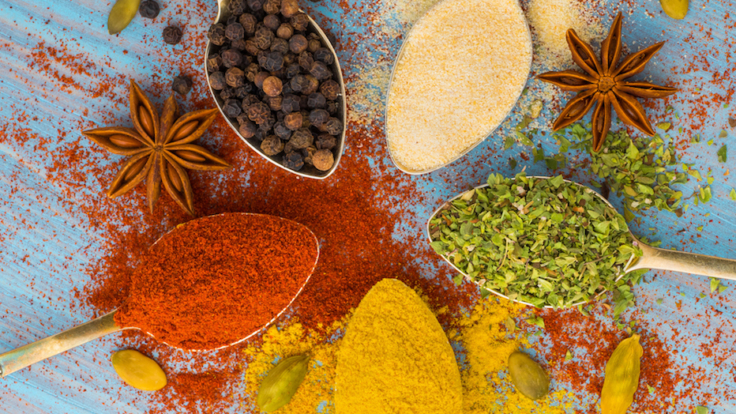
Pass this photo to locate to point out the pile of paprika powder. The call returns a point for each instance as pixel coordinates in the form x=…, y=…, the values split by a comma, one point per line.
x=214, y=281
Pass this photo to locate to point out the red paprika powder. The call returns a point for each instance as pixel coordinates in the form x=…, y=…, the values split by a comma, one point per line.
x=205, y=284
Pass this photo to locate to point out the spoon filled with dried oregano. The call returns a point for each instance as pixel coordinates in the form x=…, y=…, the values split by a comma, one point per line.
x=549, y=242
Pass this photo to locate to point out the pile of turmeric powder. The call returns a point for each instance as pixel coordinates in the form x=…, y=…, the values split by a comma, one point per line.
x=483, y=338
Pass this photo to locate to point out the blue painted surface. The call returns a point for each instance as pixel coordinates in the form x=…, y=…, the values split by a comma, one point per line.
x=44, y=250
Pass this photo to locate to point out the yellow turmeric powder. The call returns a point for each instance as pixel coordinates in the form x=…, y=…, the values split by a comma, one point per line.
x=395, y=358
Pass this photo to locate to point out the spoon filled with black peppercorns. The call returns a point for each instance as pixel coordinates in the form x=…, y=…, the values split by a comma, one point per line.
x=276, y=78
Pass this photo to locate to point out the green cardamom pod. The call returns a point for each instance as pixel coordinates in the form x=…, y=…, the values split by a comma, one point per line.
x=622, y=376
x=121, y=15
x=676, y=9
x=528, y=377
x=282, y=382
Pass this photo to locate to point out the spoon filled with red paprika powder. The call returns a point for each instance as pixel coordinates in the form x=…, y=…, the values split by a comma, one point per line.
x=207, y=284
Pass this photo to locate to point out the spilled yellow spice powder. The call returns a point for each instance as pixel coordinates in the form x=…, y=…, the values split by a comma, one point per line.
x=487, y=346
x=481, y=334
x=395, y=357
x=315, y=393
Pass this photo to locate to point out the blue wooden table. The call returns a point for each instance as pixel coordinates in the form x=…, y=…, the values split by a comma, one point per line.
x=61, y=72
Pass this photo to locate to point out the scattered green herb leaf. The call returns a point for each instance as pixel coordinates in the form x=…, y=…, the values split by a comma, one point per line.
x=702, y=410
x=568, y=355
x=723, y=134
x=723, y=154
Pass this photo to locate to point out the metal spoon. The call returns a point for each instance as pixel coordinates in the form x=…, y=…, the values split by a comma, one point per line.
x=27, y=355
x=308, y=171
x=651, y=258
x=480, y=141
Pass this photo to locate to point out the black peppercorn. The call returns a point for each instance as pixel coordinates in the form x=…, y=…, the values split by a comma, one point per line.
x=314, y=45
x=231, y=57
x=288, y=148
x=311, y=87
x=268, y=123
x=259, y=112
x=333, y=126
x=290, y=104
x=333, y=107
x=234, y=31
x=280, y=45
x=251, y=47
x=305, y=117
x=301, y=138
x=323, y=160
x=251, y=71
x=272, y=86
x=316, y=100
x=271, y=7
x=281, y=131
x=292, y=70
x=293, y=161
x=260, y=77
x=319, y=117
x=298, y=44
x=289, y=8
x=217, y=81
x=247, y=129
x=287, y=89
x=308, y=153
x=255, y=5
x=272, y=22
x=326, y=141
x=285, y=31
x=231, y=108
x=294, y=120
x=271, y=61
x=299, y=82
x=242, y=118
x=172, y=35
x=236, y=7
x=181, y=85
x=263, y=37
x=320, y=71
x=216, y=34
x=243, y=91
x=290, y=58
x=272, y=145
x=227, y=93
x=248, y=101
x=248, y=21
x=149, y=9
x=214, y=62
x=300, y=22
x=238, y=44
x=324, y=55
x=330, y=89
x=313, y=36
x=235, y=77
x=305, y=60
x=274, y=102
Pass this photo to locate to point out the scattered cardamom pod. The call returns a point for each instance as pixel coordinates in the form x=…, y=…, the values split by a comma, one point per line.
x=676, y=9
x=138, y=370
x=121, y=15
x=282, y=382
x=528, y=377
x=622, y=376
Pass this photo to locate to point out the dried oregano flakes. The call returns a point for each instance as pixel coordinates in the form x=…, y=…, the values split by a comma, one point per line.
x=547, y=242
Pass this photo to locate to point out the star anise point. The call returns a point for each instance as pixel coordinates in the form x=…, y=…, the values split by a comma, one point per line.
x=603, y=85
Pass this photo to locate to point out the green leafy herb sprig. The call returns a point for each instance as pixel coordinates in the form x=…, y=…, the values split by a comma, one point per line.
x=540, y=241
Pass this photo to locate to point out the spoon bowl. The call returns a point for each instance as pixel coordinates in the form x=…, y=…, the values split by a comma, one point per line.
x=651, y=258
x=27, y=355
x=308, y=171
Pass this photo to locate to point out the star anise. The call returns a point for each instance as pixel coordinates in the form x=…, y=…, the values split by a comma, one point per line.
x=161, y=149
x=605, y=85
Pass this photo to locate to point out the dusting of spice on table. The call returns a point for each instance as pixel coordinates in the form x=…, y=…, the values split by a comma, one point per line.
x=683, y=364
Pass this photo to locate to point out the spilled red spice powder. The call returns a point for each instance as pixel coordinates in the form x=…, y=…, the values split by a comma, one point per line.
x=202, y=286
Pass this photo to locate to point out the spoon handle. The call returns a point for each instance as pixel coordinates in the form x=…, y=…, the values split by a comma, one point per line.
x=699, y=264
x=27, y=355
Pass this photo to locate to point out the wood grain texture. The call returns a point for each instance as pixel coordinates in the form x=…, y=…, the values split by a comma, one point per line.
x=60, y=72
